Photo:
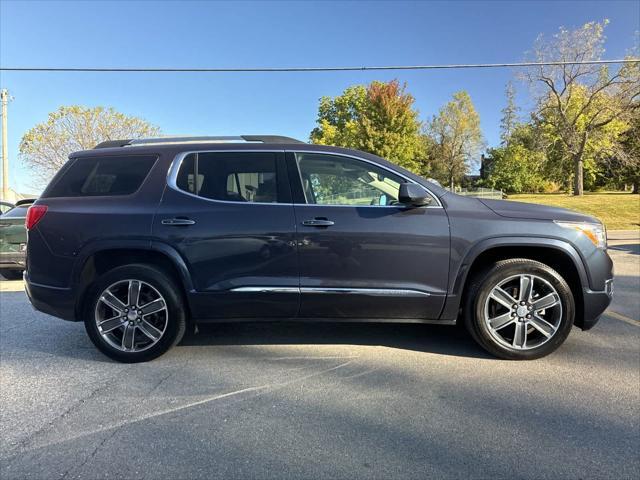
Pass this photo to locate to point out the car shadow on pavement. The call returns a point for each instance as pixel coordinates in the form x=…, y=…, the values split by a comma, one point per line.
x=37, y=332
x=632, y=248
x=445, y=340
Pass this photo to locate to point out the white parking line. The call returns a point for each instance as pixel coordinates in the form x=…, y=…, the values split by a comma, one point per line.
x=622, y=318
x=11, y=286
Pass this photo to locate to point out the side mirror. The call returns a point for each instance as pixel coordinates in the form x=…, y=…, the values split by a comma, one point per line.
x=414, y=195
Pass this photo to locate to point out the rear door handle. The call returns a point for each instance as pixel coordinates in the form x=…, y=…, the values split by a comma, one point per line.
x=177, y=222
x=318, y=222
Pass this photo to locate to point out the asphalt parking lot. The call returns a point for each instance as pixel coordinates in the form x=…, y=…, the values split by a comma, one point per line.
x=322, y=401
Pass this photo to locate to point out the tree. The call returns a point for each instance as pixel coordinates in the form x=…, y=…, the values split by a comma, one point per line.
x=378, y=119
x=599, y=145
x=624, y=167
x=519, y=165
x=606, y=96
x=46, y=147
x=509, y=118
x=457, y=137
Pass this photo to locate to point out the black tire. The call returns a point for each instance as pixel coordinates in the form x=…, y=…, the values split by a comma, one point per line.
x=175, y=323
x=12, y=274
x=483, y=284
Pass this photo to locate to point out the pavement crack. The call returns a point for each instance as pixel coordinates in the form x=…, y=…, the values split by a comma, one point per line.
x=167, y=377
x=30, y=439
x=91, y=456
x=160, y=382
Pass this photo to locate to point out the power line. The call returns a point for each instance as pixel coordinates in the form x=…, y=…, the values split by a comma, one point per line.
x=311, y=69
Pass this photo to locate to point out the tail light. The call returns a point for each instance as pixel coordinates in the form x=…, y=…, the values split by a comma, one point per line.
x=34, y=215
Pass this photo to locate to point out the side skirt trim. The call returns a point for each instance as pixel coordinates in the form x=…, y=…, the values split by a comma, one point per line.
x=377, y=292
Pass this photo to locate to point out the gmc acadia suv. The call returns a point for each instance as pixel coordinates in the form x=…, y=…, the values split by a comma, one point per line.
x=141, y=238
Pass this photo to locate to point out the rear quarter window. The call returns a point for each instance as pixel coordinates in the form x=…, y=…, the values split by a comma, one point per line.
x=102, y=176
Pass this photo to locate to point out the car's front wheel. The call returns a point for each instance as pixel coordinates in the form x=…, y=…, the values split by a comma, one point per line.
x=134, y=313
x=519, y=309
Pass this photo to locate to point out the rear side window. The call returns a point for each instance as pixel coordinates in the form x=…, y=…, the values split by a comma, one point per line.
x=230, y=176
x=99, y=176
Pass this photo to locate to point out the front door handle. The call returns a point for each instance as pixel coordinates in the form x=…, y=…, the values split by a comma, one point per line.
x=177, y=222
x=318, y=222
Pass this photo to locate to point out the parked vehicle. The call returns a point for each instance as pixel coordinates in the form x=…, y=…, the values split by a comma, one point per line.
x=13, y=240
x=139, y=238
x=5, y=207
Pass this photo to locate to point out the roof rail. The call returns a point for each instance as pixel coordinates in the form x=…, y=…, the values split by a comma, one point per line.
x=112, y=144
x=182, y=140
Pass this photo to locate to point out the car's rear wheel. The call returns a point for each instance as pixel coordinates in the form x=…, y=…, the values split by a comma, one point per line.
x=134, y=313
x=519, y=309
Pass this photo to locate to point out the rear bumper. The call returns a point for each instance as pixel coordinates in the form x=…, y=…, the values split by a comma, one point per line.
x=595, y=303
x=13, y=261
x=59, y=302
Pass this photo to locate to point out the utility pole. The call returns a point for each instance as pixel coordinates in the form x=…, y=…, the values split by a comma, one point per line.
x=4, y=96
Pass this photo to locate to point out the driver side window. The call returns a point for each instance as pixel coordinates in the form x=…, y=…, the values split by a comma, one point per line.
x=336, y=180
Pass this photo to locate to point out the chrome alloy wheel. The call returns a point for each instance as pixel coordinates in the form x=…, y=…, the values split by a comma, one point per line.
x=131, y=315
x=523, y=312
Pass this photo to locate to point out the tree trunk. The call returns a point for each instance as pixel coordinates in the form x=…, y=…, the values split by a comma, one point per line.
x=578, y=175
x=635, y=188
x=451, y=182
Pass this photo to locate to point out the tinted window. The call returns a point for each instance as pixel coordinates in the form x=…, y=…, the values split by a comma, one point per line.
x=88, y=177
x=20, y=211
x=236, y=176
x=335, y=180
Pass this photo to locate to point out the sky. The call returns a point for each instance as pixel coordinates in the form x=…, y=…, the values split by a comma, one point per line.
x=271, y=34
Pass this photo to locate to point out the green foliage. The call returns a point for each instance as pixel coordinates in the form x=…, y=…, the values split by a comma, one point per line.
x=624, y=168
x=518, y=166
x=46, y=147
x=378, y=119
x=456, y=139
x=516, y=169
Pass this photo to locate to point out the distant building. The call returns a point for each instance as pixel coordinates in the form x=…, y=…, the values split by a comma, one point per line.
x=485, y=166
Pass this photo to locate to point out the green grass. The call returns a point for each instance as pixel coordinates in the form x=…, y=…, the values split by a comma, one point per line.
x=618, y=211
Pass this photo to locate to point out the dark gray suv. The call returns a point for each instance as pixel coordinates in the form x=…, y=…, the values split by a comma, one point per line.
x=141, y=238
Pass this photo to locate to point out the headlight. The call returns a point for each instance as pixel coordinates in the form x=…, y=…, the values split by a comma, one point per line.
x=596, y=232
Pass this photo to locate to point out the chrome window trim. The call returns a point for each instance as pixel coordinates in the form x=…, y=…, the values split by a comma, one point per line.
x=265, y=290
x=376, y=292
x=172, y=176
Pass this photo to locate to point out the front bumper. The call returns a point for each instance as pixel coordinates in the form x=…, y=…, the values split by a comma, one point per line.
x=59, y=302
x=595, y=303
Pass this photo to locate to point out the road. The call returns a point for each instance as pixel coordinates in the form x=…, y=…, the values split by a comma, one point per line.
x=318, y=401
